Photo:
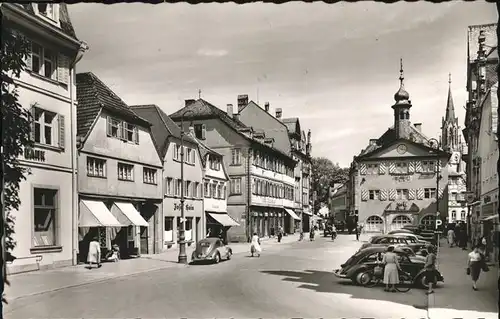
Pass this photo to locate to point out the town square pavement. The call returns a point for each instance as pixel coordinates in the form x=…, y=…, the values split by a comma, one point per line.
x=291, y=279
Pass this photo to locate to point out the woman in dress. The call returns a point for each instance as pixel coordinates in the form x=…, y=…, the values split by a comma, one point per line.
x=255, y=245
x=94, y=255
x=474, y=265
x=451, y=237
x=391, y=274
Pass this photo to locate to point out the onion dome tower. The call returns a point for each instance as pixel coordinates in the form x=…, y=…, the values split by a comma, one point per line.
x=401, y=108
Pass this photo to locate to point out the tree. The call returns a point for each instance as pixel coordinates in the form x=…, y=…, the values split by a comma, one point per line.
x=16, y=129
x=324, y=174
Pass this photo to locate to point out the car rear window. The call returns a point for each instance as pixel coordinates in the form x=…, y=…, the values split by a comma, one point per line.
x=204, y=244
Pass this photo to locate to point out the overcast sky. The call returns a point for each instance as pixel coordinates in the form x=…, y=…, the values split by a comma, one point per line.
x=336, y=67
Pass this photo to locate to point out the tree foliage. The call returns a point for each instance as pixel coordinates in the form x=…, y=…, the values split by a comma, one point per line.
x=324, y=174
x=15, y=132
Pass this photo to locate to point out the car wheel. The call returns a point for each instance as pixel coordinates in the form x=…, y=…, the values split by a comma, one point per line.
x=364, y=278
x=358, y=276
x=217, y=258
x=229, y=253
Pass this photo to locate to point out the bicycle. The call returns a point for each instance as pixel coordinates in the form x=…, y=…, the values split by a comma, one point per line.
x=405, y=280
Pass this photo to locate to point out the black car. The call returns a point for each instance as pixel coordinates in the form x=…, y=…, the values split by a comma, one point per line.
x=360, y=266
x=395, y=240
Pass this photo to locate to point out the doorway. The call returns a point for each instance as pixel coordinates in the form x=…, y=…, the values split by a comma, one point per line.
x=144, y=240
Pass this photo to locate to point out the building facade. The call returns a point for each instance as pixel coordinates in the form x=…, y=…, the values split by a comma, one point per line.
x=45, y=227
x=339, y=203
x=451, y=142
x=261, y=176
x=481, y=129
x=274, y=129
x=395, y=179
x=119, y=173
x=301, y=152
x=215, y=185
x=167, y=139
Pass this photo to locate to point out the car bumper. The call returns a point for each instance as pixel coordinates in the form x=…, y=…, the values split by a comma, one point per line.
x=205, y=258
x=338, y=274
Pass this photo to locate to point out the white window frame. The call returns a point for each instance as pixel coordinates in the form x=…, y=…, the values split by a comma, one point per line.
x=374, y=194
x=371, y=169
x=430, y=193
x=149, y=175
x=206, y=189
x=169, y=185
x=54, y=220
x=177, y=187
x=428, y=166
x=402, y=194
x=96, y=167
x=401, y=168
x=236, y=186
x=125, y=172
x=236, y=156
x=130, y=129
x=41, y=126
x=42, y=56
x=52, y=12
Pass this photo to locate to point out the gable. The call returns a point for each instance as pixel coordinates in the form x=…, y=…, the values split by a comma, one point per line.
x=402, y=149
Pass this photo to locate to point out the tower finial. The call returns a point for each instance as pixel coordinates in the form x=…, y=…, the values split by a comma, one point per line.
x=401, y=72
x=449, y=78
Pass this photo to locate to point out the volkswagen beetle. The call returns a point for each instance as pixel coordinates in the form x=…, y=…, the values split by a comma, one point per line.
x=211, y=249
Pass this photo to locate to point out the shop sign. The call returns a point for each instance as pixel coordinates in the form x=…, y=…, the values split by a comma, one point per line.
x=34, y=155
x=187, y=207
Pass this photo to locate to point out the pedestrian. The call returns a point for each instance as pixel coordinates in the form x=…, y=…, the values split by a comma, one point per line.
x=311, y=234
x=357, y=230
x=280, y=234
x=430, y=268
x=391, y=269
x=451, y=237
x=255, y=245
x=474, y=265
x=94, y=254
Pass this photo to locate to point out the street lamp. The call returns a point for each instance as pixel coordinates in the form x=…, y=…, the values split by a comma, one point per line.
x=182, y=230
x=435, y=143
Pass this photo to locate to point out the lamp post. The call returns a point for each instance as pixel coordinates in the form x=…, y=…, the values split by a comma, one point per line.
x=435, y=142
x=182, y=229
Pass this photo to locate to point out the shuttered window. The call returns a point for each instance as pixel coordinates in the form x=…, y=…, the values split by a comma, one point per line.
x=47, y=128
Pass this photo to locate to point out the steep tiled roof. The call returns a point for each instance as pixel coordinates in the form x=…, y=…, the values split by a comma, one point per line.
x=64, y=19
x=201, y=109
x=204, y=150
x=93, y=95
x=162, y=127
x=473, y=36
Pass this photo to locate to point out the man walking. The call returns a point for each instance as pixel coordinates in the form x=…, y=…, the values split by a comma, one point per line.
x=430, y=268
x=358, y=231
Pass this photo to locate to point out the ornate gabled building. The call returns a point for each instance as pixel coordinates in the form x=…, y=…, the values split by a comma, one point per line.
x=481, y=129
x=451, y=141
x=393, y=182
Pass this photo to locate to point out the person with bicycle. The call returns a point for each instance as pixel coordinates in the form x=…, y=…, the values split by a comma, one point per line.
x=430, y=268
x=391, y=269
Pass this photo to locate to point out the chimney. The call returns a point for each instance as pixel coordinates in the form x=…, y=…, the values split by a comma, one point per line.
x=266, y=106
x=230, y=110
x=373, y=141
x=236, y=116
x=242, y=101
x=189, y=102
x=418, y=126
x=278, y=113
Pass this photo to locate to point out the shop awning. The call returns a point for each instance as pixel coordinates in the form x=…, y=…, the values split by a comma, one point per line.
x=224, y=219
x=308, y=212
x=292, y=214
x=490, y=217
x=96, y=214
x=128, y=215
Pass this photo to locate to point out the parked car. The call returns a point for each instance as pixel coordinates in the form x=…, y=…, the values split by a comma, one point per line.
x=413, y=238
x=395, y=240
x=359, y=268
x=211, y=249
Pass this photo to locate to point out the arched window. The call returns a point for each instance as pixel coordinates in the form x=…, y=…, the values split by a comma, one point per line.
x=463, y=215
x=374, y=224
x=407, y=115
x=429, y=221
x=402, y=115
x=453, y=215
x=399, y=221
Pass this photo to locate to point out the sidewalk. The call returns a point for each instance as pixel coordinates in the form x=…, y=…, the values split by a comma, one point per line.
x=34, y=283
x=455, y=298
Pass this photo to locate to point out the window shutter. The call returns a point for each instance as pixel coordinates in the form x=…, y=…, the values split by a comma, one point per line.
x=122, y=131
x=411, y=167
x=411, y=194
x=203, y=131
x=364, y=195
x=28, y=60
x=392, y=194
x=136, y=135
x=420, y=193
x=62, y=69
x=494, y=120
x=32, y=132
x=383, y=194
x=436, y=166
x=362, y=169
x=165, y=186
x=392, y=168
x=381, y=168
x=109, y=126
x=61, y=131
x=418, y=167
x=440, y=192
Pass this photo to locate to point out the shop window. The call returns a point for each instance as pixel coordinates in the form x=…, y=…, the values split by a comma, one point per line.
x=189, y=223
x=44, y=219
x=168, y=229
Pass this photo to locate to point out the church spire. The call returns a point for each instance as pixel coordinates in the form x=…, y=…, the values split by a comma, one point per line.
x=450, y=108
x=401, y=96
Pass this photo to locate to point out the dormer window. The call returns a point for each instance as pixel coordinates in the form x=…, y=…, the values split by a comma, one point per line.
x=48, y=11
